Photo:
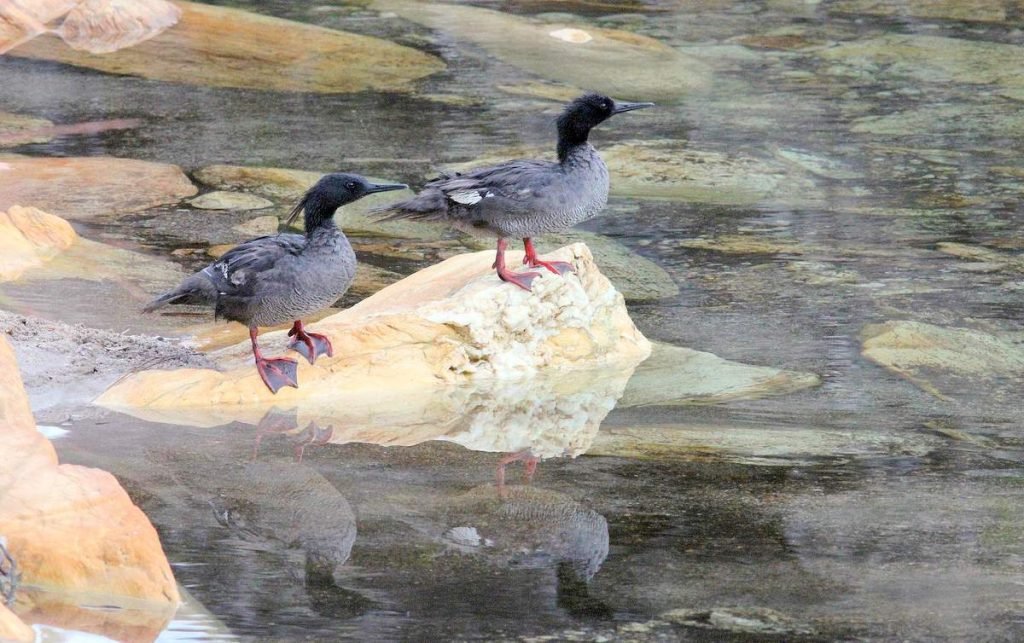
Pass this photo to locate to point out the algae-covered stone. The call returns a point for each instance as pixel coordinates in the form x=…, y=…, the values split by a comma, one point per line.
x=677, y=375
x=16, y=129
x=83, y=187
x=206, y=45
x=224, y=200
x=645, y=68
x=960, y=10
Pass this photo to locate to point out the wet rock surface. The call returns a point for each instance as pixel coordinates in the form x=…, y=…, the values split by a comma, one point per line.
x=84, y=187
x=282, y=55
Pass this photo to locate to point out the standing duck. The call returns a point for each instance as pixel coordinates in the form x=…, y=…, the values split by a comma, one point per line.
x=274, y=279
x=525, y=198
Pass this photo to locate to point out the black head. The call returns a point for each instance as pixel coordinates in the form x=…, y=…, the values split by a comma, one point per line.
x=333, y=191
x=586, y=112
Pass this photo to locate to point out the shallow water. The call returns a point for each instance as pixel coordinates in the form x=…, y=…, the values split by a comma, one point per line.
x=873, y=506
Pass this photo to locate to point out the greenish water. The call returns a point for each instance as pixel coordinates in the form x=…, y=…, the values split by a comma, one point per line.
x=872, y=156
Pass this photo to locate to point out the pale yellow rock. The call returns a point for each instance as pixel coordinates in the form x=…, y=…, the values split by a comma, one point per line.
x=28, y=238
x=13, y=628
x=84, y=187
x=72, y=530
x=451, y=324
x=209, y=43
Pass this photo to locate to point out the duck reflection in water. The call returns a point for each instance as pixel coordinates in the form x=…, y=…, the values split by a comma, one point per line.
x=532, y=528
x=281, y=423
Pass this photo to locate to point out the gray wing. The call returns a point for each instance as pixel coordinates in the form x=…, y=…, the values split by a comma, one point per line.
x=249, y=270
x=516, y=189
x=510, y=190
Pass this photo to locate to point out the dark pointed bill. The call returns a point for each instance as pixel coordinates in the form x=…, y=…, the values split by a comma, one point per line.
x=628, y=107
x=385, y=187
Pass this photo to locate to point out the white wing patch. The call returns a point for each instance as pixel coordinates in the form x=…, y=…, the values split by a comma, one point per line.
x=466, y=197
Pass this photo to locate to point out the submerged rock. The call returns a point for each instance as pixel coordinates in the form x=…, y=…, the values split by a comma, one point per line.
x=927, y=355
x=737, y=244
x=84, y=187
x=205, y=46
x=223, y=200
x=741, y=620
x=28, y=238
x=782, y=446
x=677, y=375
x=934, y=59
x=969, y=11
x=73, y=530
x=450, y=324
x=645, y=68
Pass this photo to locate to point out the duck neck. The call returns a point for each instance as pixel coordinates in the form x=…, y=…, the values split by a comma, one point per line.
x=319, y=216
x=572, y=134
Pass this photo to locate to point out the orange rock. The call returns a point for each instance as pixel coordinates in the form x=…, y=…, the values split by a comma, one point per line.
x=209, y=43
x=78, y=188
x=28, y=238
x=13, y=628
x=72, y=530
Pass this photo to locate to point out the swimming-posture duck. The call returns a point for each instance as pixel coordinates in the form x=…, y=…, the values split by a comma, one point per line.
x=525, y=198
x=274, y=279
